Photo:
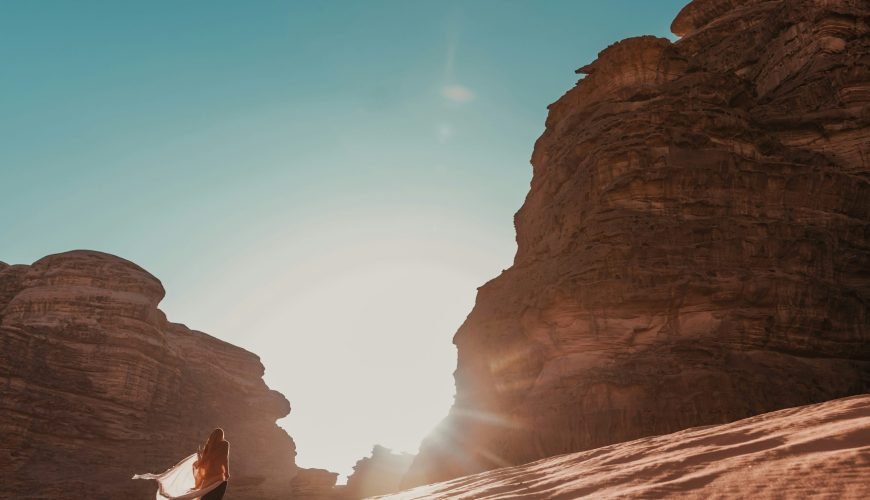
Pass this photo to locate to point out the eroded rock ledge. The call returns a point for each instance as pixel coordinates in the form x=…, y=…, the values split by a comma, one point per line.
x=695, y=246
x=96, y=384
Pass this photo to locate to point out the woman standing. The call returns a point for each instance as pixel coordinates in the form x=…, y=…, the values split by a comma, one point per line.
x=213, y=465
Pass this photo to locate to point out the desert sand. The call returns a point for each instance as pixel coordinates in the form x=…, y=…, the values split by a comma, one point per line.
x=815, y=451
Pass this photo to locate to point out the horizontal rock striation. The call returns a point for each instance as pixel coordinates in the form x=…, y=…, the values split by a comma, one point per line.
x=96, y=385
x=694, y=248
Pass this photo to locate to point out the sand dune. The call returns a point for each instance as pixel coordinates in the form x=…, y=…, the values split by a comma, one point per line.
x=816, y=451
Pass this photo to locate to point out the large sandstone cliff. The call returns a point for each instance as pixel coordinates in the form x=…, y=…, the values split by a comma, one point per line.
x=96, y=385
x=695, y=246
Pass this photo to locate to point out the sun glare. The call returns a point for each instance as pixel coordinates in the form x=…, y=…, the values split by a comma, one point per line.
x=358, y=336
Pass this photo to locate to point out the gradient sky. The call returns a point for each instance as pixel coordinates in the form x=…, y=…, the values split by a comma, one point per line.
x=322, y=183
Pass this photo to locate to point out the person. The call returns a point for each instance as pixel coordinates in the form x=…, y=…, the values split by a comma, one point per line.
x=213, y=464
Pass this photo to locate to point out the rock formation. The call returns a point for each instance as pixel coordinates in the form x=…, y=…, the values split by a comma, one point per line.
x=817, y=451
x=96, y=385
x=312, y=484
x=378, y=474
x=695, y=246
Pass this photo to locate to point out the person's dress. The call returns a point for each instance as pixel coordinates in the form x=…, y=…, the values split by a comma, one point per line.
x=178, y=482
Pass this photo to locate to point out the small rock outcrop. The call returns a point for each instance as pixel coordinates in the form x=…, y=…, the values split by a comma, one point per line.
x=378, y=474
x=312, y=484
x=695, y=246
x=96, y=385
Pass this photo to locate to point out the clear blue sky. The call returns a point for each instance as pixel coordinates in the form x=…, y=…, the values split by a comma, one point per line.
x=324, y=183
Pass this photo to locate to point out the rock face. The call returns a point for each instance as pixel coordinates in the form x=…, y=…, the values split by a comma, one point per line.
x=817, y=451
x=311, y=484
x=96, y=385
x=378, y=474
x=695, y=246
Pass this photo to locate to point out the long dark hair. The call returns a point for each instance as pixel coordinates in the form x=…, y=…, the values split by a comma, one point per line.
x=215, y=437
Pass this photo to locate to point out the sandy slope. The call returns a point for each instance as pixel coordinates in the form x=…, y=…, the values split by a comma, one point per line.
x=816, y=451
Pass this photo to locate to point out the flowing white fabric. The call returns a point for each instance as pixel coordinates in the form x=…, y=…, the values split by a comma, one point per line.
x=178, y=482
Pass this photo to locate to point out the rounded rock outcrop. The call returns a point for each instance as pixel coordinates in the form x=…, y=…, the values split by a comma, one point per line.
x=96, y=385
